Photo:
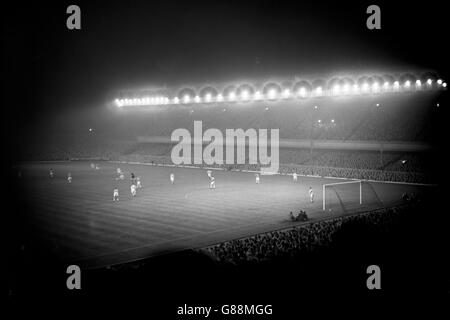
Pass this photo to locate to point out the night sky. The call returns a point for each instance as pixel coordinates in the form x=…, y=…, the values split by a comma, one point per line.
x=51, y=71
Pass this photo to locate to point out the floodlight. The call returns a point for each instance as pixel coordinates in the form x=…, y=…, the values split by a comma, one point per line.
x=365, y=86
x=257, y=95
x=439, y=81
x=444, y=84
x=286, y=93
x=208, y=97
x=319, y=90
x=272, y=93
x=219, y=98
x=429, y=81
x=186, y=98
x=244, y=94
x=337, y=89
x=231, y=95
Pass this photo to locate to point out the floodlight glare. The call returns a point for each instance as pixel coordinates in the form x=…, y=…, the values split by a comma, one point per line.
x=429, y=81
x=186, y=98
x=444, y=84
x=346, y=88
x=244, y=95
x=208, y=97
x=286, y=93
x=337, y=89
x=231, y=95
x=396, y=84
x=197, y=99
x=272, y=93
x=439, y=81
x=257, y=95
x=219, y=98
x=176, y=100
x=407, y=83
x=418, y=83
x=302, y=91
x=365, y=86
x=319, y=90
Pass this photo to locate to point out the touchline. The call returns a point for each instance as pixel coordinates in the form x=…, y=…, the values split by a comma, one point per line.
x=213, y=153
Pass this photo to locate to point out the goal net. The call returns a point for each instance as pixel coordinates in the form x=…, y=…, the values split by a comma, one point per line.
x=350, y=196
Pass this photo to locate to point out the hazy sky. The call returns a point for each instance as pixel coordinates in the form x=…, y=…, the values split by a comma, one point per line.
x=51, y=70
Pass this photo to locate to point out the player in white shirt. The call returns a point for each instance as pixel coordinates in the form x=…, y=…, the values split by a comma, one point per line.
x=294, y=177
x=52, y=174
x=133, y=190
x=311, y=195
x=119, y=171
x=257, y=178
x=138, y=183
x=69, y=177
x=209, y=173
x=172, y=178
x=212, y=182
x=116, y=194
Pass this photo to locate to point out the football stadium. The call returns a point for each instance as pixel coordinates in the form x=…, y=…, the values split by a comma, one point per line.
x=224, y=151
x=360, y=144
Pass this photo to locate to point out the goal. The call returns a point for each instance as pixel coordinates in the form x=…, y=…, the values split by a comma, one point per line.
x=349, y=195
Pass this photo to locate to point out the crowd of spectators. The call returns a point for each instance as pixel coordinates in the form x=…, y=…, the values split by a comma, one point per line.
x=297, y=240
x=398, y=167
x=399, y=118
x=105, y=149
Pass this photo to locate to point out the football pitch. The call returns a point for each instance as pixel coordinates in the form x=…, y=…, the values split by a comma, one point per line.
x=81, y=224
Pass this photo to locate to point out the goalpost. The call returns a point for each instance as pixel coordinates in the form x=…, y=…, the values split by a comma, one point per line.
x=359, y=182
